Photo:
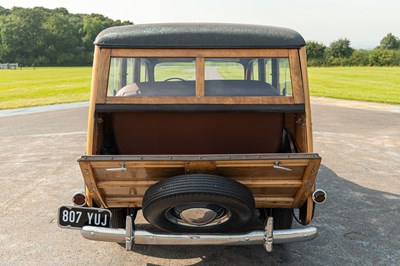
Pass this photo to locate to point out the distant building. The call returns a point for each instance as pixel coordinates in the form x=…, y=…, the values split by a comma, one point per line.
x=9, y=66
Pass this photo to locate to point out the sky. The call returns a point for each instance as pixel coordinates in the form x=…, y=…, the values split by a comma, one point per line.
x=363, y=22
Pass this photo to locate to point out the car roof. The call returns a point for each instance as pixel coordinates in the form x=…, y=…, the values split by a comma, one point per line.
x=199, y=35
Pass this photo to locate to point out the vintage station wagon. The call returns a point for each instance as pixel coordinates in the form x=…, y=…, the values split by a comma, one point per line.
x=205, y=129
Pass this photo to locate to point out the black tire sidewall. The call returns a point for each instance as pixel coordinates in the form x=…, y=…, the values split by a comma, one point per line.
x=237, y=203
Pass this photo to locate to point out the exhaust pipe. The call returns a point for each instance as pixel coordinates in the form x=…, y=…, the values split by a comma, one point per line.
x=319, y=196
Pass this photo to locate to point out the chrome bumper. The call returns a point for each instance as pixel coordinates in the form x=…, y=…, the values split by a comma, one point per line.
x=129, y=236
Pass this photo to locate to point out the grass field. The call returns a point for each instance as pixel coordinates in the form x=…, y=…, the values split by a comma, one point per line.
x=42, y=86
x=372, y=84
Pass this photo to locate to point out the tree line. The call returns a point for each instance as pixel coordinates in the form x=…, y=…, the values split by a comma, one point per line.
x=340, y=53
x=49, y=37
x=54, y=37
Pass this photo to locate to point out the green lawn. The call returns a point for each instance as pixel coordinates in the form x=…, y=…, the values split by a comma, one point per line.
x=178, y=70
x=372, y=84
x=43, y=86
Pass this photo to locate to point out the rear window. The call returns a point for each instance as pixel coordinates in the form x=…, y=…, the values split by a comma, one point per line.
x=177, y=77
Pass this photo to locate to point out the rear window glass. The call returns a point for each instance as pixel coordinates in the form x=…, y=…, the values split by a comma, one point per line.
x=177, y=77
x=247, y=77
x=152, y=77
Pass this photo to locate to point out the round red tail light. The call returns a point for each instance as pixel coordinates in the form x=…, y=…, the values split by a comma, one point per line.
x=79, y=199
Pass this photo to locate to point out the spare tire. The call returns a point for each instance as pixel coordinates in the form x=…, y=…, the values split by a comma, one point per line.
x=198, y=203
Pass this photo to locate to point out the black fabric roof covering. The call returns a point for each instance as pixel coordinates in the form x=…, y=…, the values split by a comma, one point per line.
x=199, y=35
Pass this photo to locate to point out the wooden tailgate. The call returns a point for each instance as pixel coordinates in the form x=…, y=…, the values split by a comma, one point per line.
x=121, y=181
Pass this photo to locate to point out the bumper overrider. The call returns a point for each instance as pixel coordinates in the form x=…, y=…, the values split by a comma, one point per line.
x=131, y=237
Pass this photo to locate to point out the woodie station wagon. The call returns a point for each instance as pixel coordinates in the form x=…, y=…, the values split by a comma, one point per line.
x=205, y=128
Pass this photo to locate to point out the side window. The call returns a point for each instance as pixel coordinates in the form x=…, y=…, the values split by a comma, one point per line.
x=277, y=73
x=124, y=71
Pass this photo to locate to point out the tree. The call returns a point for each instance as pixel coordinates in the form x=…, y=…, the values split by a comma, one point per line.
x=63, y=38
x=360, y=58
x=4, y=11
x=22, y=36
x=315, y=53
x=339, y=52
x=340, y=48
x=389, y=42
x=93, y=24
x=43, y=36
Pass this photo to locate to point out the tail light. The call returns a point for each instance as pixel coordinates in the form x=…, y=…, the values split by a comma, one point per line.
x=79, y=199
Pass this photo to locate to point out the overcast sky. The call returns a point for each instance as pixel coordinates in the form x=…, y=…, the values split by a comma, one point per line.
x=364, y=22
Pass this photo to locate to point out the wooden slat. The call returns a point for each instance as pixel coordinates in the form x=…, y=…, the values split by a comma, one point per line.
x=246, y=174
x=303, y=63
x=102, y=75
x=135, y=183
x=201, y=100
x=248, y=183
x=270, y=183
x=200, y=76
x=308, y=181
x=310, y=209
x=139, y=164
x=192, y=53
x=296, y=75
x=92, y=105
x=274, y=191
x=262, y=163
x=137, y=200
x=264, y=202
x=91, y=182
x=261, y=202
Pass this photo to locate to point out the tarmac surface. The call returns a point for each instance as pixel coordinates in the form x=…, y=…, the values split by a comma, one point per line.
x=358, y=225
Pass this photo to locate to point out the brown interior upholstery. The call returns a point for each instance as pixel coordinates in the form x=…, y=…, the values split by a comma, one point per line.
x=197, y=132
x=187, y=88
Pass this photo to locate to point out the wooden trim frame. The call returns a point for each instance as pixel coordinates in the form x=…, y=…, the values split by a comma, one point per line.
x=98, y=93
x=304, y=74
x=309, y=137
x=296, y=75
x=200, y=74
x=101, y=81
x=91, y=183
x=215, y=53
x=103, y=62
x=201, y=100
x=285, y=108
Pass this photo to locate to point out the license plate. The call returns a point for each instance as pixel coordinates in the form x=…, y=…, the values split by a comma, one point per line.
x=77, y=217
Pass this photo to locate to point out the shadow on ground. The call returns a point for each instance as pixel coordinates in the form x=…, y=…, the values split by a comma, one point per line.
x=359, y=224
